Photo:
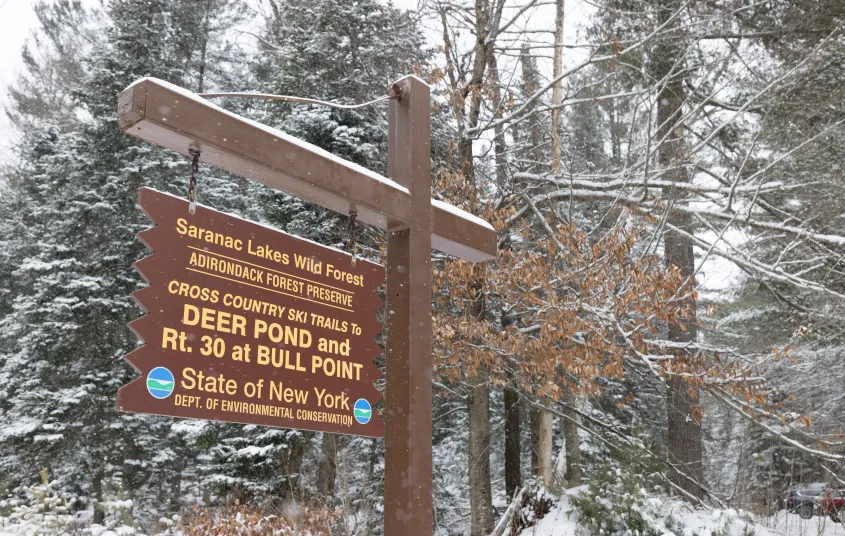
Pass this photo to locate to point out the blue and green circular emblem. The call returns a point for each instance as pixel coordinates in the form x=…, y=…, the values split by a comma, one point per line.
x=160, y=382
x=363, y=411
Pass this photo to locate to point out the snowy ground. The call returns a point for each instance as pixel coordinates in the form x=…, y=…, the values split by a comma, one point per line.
x=665, y=516
x=686, y=521
x=790, y=524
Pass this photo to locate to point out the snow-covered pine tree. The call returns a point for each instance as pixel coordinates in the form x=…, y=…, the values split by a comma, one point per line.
x=74, y=196
x=338, y=51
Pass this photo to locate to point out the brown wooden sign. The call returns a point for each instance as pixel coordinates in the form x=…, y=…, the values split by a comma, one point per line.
x=251, y=325
x=175, y=118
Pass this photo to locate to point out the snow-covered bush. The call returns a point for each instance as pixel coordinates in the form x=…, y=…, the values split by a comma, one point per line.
x=44, y=510
x=39, y=510
x=615, y=501
x=536, y=503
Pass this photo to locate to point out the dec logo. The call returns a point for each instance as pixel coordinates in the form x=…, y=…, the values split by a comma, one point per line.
x=160, y=382
x=363, y=411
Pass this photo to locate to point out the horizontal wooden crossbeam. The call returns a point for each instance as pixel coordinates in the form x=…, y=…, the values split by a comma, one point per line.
x=175, y=118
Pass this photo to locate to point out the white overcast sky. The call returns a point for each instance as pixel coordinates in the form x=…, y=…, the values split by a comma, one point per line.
x=17, y=20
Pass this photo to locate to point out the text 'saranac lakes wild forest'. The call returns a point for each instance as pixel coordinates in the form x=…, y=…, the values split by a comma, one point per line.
x=659, y=347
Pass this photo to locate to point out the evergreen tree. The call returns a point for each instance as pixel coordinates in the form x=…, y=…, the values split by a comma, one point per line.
x=73, y=227
x=337, y=51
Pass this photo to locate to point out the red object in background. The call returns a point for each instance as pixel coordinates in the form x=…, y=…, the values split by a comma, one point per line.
x=833, y=504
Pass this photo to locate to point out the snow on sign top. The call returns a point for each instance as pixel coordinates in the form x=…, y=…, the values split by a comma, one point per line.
x=415, y=77
x=461, y=214
x=175, y=118
x=275, y=132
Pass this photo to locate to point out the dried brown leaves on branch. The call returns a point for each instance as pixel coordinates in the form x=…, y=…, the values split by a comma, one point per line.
x=571, y=307
x=563, y=307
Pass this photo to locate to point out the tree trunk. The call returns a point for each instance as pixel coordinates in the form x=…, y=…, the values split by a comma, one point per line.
x=203, y=50
x=557, y=90
x=513, y=447
x=534, y=425
x=474, y=90
x=682, y=400
x=685, y=436
x=487, y=21
x=370, y=500
x=529, y=86
x=480, y=495
x=97, y=491
x=615, y=141
x=467, y=167
x=292, y=460
x=572, y=443
x=544, y=448
x=327, y=468
x=498, y=132
x=174, y=505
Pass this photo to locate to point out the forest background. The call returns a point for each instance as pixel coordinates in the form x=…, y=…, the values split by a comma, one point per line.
x=621, y=156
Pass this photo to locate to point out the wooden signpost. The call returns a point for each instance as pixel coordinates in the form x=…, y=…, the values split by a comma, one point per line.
x=175, y=118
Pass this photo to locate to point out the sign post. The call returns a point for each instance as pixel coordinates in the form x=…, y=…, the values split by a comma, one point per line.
x=408, y=397
x=175, y=118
